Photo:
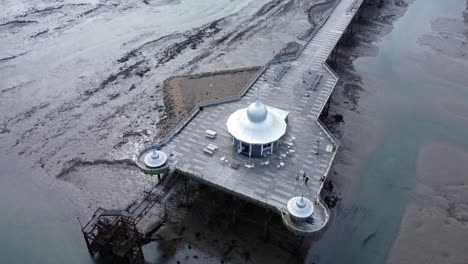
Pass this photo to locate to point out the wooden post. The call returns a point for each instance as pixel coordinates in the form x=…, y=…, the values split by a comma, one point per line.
x=299, y=248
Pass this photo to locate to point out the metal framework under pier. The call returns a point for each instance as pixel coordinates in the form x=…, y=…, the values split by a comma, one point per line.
x=114, y=233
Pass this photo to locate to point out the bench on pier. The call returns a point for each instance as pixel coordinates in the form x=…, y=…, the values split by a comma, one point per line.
x=210, y=133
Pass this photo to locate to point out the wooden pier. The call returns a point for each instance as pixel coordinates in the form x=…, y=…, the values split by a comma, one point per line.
x=301, y=85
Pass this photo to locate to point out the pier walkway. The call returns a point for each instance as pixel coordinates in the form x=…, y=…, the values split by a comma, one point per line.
x=302, y=86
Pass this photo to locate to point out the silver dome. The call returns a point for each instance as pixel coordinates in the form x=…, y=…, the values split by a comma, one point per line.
x=257, y=124
x=155, y=159
x=300, y=207
x=257, y=112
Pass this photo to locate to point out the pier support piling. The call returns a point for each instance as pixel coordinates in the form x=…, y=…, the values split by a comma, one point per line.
x=186, y=190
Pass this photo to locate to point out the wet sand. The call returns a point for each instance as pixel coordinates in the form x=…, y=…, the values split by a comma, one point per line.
x=435, y=226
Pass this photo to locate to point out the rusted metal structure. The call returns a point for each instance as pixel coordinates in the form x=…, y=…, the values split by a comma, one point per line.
x=113, y=234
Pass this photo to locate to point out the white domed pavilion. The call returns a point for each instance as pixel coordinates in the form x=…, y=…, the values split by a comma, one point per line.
x=257, y=129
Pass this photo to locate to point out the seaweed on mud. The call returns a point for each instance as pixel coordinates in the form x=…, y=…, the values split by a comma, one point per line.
x=124, y=73
x=142, y=72
x=284, y=8
x=47, y=9
x=4, y=129
x=40, y=33
x=133, y=53
x=87, y=12
x=241, y=34
x=351, y=92
x=18, y=23
x=267, y=7
x=132, y=87
x=200, y=57
x=191, y=40
x=6, y=59
x=28, y=113
x=223, y=38
x=73, y=164
x=290, y=49
x=452, y=213
x=12, y=57
x=338, y=118
x=138, y=133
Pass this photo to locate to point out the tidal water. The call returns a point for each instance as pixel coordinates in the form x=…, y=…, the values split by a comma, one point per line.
x=404, y=99
x=36, y=224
